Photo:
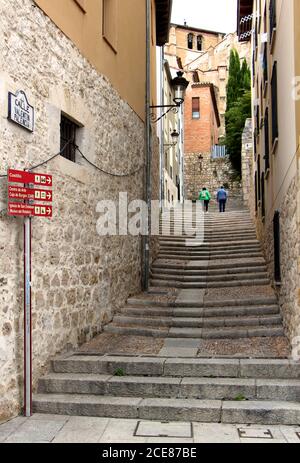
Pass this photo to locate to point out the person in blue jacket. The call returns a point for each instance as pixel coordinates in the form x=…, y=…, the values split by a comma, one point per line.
x=222, y=196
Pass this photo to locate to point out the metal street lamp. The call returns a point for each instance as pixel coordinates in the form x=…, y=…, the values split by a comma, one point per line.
x=174, y=137
x=179, y=85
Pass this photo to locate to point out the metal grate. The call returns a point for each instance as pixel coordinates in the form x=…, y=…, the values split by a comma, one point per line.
x=272, y=16
x=274, y=104
x=263, y=209
x=276, y=229
x=68, y=131
x=267, y=142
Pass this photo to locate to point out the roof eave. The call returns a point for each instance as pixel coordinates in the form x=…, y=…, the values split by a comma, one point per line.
x=163, y=20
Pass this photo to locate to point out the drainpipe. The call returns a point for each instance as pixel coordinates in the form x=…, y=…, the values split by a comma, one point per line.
x=162, y=157
x=148, y=145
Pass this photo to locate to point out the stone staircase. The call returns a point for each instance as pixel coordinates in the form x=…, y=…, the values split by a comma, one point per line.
x=197, y=292
x=229, y=257
x=207, y=390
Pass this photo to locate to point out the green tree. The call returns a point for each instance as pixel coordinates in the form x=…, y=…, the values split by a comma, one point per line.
x=238, y=106
x=234, y=78
x=236, y=117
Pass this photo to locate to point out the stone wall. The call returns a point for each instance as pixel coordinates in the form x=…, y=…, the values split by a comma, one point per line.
x=289, y=290
x=247, y=168
x=212, y=174
x=78, y=277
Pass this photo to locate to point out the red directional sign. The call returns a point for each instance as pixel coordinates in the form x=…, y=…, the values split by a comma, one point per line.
x=16, y=192
x=19, y=209
x=20, y=176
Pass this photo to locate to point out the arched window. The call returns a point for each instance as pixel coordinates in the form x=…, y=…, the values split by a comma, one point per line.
x=190, y=41
x=199, y=42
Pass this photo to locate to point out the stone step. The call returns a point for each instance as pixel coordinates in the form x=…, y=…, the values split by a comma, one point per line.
x=198, y=322
x=207, y=277
x=252, y=412
x=244, y=255
x=259, y=310
x=171, y=367
x=216, y=284
x=170, y=387
x=199, y=251
x=254, y=301
x=207, y=271
x=236, y=332
x=208, y=233
x=209, y=219
x=211, y=266
x=216, y=245
x=210, y=237
x=203, y=249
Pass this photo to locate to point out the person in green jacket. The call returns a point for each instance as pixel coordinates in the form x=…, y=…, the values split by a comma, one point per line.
x=205, y=196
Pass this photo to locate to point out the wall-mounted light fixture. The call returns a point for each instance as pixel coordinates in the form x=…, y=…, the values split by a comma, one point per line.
x=200, y=161
x=179, y=85
x=174, y=138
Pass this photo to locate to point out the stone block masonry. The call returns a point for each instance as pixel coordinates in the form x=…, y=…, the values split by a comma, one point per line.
x=288, y=291
x=79, y=278
x=213, y=173
x=247, y=168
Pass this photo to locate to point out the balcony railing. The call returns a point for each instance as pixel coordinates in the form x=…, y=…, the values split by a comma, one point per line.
x=219, y=152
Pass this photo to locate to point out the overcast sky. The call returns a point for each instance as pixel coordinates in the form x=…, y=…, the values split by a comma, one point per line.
x=218, y=15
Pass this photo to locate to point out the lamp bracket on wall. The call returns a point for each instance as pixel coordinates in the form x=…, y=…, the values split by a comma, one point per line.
x=174, y=108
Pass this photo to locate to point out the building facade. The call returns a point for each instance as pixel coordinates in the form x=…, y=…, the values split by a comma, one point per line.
x=172, y=144
x=87, y=92
x=276, y=130
x=204, y=166
x=204, y=56
x=211, y=63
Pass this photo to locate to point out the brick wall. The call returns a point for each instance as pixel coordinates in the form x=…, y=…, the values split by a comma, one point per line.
x=200, y=134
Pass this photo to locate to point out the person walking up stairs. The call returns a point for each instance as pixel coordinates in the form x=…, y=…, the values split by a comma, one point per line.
x=205, y=196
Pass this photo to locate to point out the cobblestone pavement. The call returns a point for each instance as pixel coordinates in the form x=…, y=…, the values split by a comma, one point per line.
x=72, y=429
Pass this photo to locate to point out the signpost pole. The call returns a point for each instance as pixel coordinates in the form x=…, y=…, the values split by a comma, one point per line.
x=27, y=194
x=27, y=319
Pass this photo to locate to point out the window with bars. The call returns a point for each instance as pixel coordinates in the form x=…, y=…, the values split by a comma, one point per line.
x=257, y=119
x=196, y=108
x=68, y=131
x=274, y=104
x=256, y=192
x=276, y=235
x=273, y=19
x=199, y=42
x=253, y=68
x=256, y=34
x=263, y=208
x=255, y=144
x=265, y=63
x=258, y=179
x=267, y=142
x=190, y=41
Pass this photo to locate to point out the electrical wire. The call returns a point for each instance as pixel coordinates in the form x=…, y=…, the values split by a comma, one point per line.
x=87, y=160
x=129, y=174
x=47, y=160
